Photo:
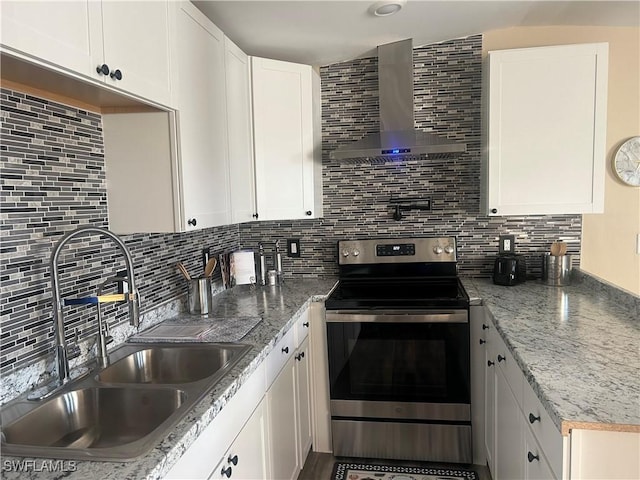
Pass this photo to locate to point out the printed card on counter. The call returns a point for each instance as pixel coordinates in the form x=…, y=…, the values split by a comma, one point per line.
x=242, y=268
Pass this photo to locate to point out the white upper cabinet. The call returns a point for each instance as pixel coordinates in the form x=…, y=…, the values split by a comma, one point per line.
x=545, y=130
x=286, y=162
x=79, y=37
x=34, y=29
x=239, y=127
x=202, y=122
x=137, y=43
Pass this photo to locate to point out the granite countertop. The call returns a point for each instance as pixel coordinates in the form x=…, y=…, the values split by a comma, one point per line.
x=578, y=346
x=279, y=308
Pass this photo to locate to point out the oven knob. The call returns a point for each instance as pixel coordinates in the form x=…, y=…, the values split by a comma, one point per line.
x=448, y=249
x=437, y=250
x=345, y=253
x=356, y=253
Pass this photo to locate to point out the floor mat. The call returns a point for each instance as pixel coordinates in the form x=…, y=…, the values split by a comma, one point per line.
x=360, y=471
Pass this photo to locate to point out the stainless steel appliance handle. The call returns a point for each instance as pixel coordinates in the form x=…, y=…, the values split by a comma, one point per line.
x=398, y=316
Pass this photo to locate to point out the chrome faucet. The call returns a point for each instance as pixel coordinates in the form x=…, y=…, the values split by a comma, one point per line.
x=62, y=349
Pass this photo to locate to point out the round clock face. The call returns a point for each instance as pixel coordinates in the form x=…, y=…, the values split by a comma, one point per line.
x=627, y=162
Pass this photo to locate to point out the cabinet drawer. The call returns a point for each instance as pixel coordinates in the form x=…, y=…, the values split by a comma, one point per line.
x=507, y=364
x=279, y=355
x=536, y=466
x=302, y=328
x=543, y=429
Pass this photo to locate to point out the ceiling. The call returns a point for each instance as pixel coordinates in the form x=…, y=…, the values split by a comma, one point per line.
x=330, y=31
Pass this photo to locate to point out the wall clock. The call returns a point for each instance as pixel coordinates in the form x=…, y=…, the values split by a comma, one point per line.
x=626, y=162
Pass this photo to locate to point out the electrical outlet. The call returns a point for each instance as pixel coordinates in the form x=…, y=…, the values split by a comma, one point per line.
x=293, y=247
x=205, y=257
x=507, y=244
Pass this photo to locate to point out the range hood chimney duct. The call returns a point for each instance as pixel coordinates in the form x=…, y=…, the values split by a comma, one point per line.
x=398, y=139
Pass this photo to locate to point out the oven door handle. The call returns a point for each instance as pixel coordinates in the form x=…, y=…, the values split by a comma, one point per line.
x=398, y=316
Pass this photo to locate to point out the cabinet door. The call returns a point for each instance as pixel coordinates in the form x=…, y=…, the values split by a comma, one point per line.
x=246, y=459
x=303, y=401
x=283, y=138
x=241, y=165
x=202, y=133
x=478, y=380
x=509, y=458
x=490, y=398
x=533, y=459
x=546, y=130
x=136, y=42
x=33, y=29
x=282, y=413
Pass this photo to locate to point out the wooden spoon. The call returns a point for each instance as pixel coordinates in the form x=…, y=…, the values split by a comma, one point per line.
x=183, y=270
x=210, y=266
x=558, y=248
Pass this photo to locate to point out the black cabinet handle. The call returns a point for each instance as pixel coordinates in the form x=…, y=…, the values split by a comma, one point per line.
x=226, y=472
x=494, y=210
x=485, y=327
x=116, y=74
x=533, y=418
x=285, y=349
x=192, y=221
x=233, y=460
x=300, y=356
x=482, y=342
x=501, y=358
x=490, y=363
x=305, y=324
x=103, y=69
x=308, y=213
x=255, y=215
x=531, y=457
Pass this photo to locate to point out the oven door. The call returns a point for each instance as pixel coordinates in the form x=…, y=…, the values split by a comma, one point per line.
x=399, y=364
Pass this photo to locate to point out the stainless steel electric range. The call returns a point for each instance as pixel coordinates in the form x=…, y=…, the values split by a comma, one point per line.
x=398, y=350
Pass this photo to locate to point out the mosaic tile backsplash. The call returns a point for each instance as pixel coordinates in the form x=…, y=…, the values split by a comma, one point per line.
x=53, y=178
x=447, y=96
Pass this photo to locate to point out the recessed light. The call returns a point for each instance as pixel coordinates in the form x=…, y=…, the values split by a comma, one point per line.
x=386, y=8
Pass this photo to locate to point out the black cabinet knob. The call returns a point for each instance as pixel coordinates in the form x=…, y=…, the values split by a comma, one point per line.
x=533, y=418
x=226, y=472
x=494, y=210
x=531, y=457
x=103, y=69
x=285, y=349
x=255, y=215
x=490, y=363
x=233, y=460
x=116, y=74
x=305, y=324
x=300, y=356
x=501, y=358
x=308, y=213
x=192, y=221
x=482, y=342
x=485, y=327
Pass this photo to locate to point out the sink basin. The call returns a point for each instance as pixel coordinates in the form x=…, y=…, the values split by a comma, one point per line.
x=163, y=365
x=122, y=411
x=95, y=418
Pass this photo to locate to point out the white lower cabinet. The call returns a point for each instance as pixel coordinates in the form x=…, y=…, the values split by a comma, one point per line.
x=303, y=400
x=247, y=458
x=509, y=428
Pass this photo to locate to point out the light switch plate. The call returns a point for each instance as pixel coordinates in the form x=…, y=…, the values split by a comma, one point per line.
x=507, y=244
x=293, y=247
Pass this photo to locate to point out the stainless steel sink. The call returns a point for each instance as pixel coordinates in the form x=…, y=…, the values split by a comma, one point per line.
x=163, y=365
x=120, y=412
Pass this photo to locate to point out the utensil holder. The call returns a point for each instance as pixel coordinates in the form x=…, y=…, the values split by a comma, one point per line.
x=200, y=297
x=556, y=270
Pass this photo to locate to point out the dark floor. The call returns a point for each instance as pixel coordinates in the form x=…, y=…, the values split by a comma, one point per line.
x=319, y=466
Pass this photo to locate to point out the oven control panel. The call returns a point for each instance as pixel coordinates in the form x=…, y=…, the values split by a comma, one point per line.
x=406, y=250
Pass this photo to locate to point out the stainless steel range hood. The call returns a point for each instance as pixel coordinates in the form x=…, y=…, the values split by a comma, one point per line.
x=398, y=139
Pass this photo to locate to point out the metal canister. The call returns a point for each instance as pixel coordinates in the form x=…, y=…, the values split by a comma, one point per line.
x=556, y=270
x=200, y=296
